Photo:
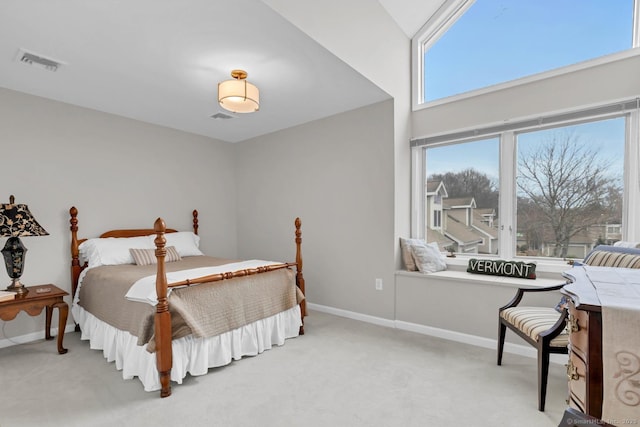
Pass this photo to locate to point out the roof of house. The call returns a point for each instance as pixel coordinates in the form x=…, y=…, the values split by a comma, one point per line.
x=461, y=233
x=434, y=187
x=485, y=211
x=477, y=223
x=460, y=202
x=436, y=236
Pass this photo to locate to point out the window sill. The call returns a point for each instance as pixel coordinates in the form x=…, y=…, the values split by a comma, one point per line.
x=464, y=277
x=544, y=267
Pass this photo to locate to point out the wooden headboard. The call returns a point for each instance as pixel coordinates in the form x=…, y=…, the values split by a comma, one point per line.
x=76, y=267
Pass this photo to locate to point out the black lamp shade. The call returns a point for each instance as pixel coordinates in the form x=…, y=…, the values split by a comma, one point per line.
x=17, y=221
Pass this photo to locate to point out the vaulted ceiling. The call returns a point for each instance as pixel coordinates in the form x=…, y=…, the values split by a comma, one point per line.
x=159, y=61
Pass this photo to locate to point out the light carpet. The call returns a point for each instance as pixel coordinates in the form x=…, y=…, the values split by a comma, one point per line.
x=342, y=372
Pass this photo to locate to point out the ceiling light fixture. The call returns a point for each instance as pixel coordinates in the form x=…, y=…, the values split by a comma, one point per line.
x=238, y=95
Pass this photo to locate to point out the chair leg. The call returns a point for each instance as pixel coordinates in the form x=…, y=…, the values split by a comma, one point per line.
x=502, y=329
x=543, y=373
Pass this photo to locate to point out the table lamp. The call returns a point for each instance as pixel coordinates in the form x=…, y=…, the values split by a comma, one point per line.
x=16, y=221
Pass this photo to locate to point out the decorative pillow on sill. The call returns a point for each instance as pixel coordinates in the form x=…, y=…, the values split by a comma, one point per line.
x=407, y=256
x=148, y=256
x=428, y=258
x=502, y=268
x=612, y=259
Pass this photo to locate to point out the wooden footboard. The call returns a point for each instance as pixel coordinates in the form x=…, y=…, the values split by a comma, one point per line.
x=162, y=321
x=163, y=331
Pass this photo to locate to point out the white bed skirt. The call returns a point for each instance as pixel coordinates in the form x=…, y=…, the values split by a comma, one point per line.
x=190, y=355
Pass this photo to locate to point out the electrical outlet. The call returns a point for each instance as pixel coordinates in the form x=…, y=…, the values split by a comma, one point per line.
x=378, y=284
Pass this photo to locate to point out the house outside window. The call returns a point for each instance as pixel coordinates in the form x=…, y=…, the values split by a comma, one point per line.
x=469, y=173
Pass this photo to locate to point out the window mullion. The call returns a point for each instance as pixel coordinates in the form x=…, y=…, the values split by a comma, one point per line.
x=418, y=177
x=507, y=213
x=636, y=24
x=630, y=219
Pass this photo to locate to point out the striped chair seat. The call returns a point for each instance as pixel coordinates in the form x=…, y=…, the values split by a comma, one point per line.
x=535, y=320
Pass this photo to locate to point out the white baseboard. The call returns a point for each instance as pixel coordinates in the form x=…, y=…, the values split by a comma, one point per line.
x=33, y=336
x=521, y=350
x=352, y=315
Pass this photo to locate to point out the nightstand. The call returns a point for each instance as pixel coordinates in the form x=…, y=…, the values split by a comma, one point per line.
x=38, y=298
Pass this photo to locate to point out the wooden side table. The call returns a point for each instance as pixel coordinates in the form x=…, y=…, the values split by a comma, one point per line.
x=39, y=297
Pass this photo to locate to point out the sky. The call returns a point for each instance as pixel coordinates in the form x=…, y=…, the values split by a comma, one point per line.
x=501, y=40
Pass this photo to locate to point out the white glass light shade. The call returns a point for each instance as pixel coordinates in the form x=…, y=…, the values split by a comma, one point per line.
x=238, y=96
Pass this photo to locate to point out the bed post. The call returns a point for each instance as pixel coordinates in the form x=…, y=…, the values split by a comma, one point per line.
x=195, y=221
x=75, y=257
x=163, y=317
x=299, y=277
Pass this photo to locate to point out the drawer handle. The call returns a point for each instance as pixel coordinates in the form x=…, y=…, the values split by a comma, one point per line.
x=574, y=326
x=572, y=372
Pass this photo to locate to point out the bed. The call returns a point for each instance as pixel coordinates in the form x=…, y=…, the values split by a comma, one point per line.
x=161, y=309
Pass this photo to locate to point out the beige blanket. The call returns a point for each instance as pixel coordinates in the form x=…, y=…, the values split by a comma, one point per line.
x=204, y=310
x=619, y=292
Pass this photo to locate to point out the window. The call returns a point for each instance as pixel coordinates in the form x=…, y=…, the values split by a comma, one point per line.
x=467, y=176
x=437, y=219
x=569, y=188
x=550, y=187
x=506, y=40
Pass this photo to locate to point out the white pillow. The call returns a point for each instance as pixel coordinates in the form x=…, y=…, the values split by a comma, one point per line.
x=428, y=258
x=407, y=257
x=186, y=242
x=112, y=250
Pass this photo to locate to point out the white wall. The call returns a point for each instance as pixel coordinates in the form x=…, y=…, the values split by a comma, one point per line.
x=336, y=174
x=363, y=34
x=119, y=173
x=469, y=308
x=584, y=88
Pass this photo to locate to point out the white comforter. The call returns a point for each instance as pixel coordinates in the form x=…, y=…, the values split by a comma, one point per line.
x=144, y=290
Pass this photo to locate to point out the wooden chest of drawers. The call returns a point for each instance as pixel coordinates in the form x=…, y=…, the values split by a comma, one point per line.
x=584, y=369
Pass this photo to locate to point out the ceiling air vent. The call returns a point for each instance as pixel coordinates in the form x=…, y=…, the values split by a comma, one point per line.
x=221, y=116
x=39, y=61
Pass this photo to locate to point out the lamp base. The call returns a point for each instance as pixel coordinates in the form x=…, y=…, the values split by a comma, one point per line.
x=17, y=287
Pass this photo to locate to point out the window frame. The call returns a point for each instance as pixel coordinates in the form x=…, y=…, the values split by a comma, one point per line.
x=507, y=136
x=447, y=15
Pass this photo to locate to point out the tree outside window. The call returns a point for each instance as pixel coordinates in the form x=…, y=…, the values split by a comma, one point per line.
x=569, y=187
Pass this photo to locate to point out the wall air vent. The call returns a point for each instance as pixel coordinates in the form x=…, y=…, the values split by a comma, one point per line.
x=39, y=61
x=221, y=116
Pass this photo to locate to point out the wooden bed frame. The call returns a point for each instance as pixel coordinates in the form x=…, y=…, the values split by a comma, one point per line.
x=162, y=322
